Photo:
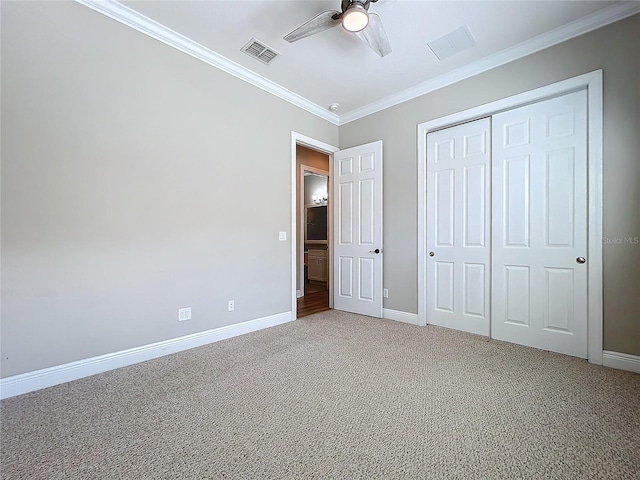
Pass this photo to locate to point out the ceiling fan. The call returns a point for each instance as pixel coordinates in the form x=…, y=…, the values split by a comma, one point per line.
x=355, y=18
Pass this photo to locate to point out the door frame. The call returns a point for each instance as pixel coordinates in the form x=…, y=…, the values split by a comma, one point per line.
x=312, y=143
x=592, y=82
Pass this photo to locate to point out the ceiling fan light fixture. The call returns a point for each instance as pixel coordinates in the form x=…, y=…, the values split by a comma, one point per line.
x=355, y=18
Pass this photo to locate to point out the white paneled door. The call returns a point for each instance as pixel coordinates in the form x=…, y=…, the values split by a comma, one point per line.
x=507, y=221
x=539, y=265
x=458, y=237
x=357, y=238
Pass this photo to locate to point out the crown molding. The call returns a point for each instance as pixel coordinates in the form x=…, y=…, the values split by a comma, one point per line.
x=143, y=24
x=566, y=32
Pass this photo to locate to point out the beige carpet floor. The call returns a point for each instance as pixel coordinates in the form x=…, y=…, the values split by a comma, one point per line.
x=334, y=395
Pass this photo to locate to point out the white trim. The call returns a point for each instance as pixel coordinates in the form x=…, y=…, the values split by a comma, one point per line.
x=48, y=377
x=595, y=307
x=400, y=316
x=303, y=140
x=422, y=223
x=300, y=263
x=621, y=361
x=147, y=26
x=593, y=83
x=578, y=27
x=153, y=29
x=330, y=243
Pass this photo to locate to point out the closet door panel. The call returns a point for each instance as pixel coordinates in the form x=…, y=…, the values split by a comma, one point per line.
x=458, y=227
x=539, y=264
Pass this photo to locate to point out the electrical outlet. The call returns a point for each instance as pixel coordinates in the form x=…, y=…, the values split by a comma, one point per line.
x=231, y=306
x=184, y=314
x=385, y=292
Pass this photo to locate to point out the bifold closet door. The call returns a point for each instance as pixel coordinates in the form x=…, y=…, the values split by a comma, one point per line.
x=539, y=218
x=458, y=233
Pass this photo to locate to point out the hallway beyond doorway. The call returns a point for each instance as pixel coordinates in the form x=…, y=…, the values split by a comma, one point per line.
x=315, y=300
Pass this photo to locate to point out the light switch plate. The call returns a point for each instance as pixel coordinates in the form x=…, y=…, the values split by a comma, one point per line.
x=282, y=236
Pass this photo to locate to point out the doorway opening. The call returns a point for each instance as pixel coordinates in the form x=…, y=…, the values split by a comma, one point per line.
x=311, y=226
x=313, y=274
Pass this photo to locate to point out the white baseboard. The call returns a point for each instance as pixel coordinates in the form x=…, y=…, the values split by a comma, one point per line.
x=48, y=377
x=399, y=316
x=299, y=294
x=622, y=361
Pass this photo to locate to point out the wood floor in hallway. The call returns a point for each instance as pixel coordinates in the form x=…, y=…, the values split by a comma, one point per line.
x=313, y=302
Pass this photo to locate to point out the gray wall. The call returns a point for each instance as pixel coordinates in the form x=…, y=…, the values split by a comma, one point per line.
x=615, y=50
x=127, y=176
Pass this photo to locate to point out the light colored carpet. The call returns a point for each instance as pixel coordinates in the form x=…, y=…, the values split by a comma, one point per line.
x=334, y=395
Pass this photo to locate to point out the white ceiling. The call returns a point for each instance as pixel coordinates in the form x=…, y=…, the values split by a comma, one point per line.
x=336, y=67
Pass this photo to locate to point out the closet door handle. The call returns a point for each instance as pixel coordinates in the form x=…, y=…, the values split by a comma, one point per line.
x=431, y=254
x=581, y=260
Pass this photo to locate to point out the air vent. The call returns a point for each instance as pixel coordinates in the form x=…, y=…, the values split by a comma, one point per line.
x=450, y=44
x=260, y=51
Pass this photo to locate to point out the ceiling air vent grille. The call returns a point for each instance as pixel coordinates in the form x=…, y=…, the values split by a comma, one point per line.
x=450, y=44
x=260, y=51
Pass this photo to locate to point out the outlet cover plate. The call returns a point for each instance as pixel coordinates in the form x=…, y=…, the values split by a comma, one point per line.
x=184, y=314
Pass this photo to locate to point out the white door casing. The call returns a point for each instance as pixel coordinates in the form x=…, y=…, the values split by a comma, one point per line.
x=458, y=237
x=357, y=242
x=539, y=291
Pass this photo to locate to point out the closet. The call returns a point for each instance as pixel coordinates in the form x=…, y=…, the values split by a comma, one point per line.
x=507, y=220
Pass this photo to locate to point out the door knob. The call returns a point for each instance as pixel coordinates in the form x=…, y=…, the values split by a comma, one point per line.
x=377, y=250
x=431, y=254
x=581, y=260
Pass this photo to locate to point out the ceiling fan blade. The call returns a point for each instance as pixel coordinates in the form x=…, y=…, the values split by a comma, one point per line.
x=375, y=36
x=317, y=24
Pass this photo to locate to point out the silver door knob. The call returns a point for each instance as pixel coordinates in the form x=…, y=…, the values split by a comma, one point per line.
x=377, y=250
x=581, y=260
x=431, y=254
